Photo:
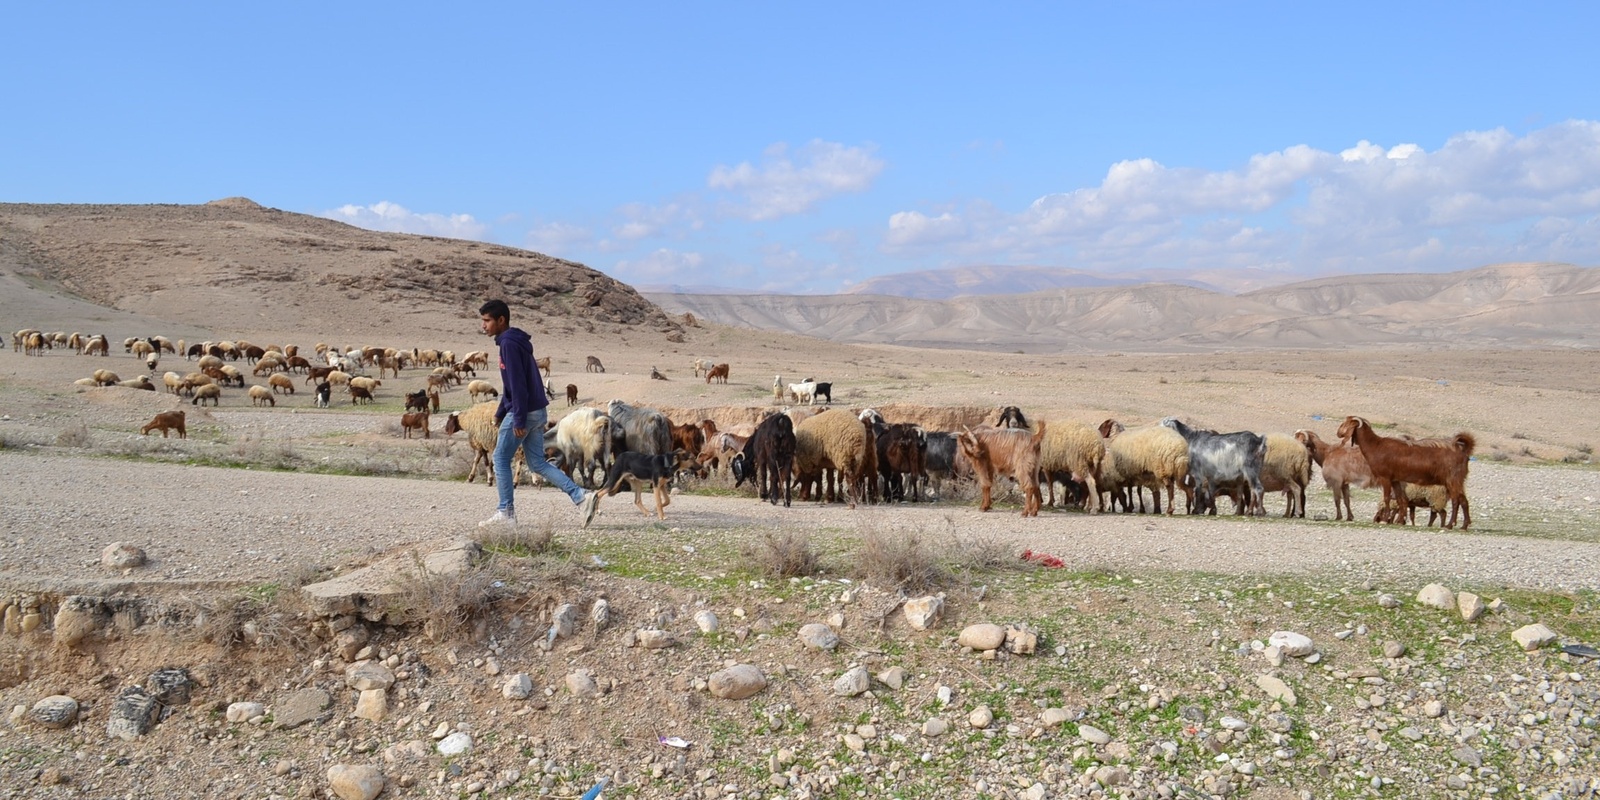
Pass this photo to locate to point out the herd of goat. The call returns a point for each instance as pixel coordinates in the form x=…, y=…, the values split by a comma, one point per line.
x=855, y=456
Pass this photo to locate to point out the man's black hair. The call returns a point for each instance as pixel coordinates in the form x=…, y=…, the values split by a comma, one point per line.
x=496, y=309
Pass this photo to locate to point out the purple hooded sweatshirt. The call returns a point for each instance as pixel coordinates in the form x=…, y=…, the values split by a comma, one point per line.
x=524, y=386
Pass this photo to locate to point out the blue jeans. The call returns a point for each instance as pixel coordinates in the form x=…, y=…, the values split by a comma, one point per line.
x=532, y=444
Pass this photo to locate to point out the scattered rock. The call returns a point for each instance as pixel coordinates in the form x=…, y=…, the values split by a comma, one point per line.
x=655, y=638
x=244, y=712
x=981, y=717
x=581, y=684
x=737, y=682
x=455, y=560
x=1292, y=644
x=78, y=618
x=1433, y=708
x=170, y=687
x=564, y=621
x=355, y=781
x=373, y=704
x=1470, y=605
x=1436, y=596
x=1393, y=649
x=1467, y=756
x=1532, y=637
x=1093, y=735
x=706, y=622
x=54, y=712
x=853, y=682
x=600, y=614
x=1388, y=601
x=935, y=727
x=1276, y=689
x=818, y=636
x=1021, y=640
x=923, y=613
x=133, y=714
x=517, y=687
x=983, y=636
x=1052, y=717
x=367, y=675
x=298, y=708
x=455, y=744
x=1234, y=724
x=121, y=555
x=893, y=677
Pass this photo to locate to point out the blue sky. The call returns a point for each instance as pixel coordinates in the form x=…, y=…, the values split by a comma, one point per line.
x=804, y=147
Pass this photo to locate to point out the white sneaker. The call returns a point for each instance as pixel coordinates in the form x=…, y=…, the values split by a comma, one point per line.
x=591, y=504
x=500, y=518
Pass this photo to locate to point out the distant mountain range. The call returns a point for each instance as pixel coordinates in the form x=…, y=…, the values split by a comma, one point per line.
x=1511, y=305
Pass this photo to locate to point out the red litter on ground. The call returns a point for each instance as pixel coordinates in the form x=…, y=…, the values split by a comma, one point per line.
x=1043, y=559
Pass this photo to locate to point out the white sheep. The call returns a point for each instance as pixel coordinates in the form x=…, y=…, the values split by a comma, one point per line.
x=280, y=383
x=105, y=377
x=173, y=382
x=141, y=382
x=1073, y=450
x=1287, y=469
x=261, y=395
x=483, y=433
x=804, y=393
x=1150, y=457
x=209, y=391
x=369, y=384
x=485, y=388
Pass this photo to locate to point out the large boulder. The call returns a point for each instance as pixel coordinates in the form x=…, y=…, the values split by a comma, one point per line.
x=737, y=682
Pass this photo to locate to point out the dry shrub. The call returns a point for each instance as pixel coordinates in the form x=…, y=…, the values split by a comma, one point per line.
x=446, y=605
x=979, y=553
x=896, y=561
x=786, y=554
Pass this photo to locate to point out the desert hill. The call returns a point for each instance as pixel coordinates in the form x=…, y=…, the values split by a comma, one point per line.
x=232, y=263
x=1505, y=305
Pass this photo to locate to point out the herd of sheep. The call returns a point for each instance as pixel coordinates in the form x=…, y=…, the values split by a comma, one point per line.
x=854, y=456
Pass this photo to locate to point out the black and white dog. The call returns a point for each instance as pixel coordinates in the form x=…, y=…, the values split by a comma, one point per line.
x=324, y=389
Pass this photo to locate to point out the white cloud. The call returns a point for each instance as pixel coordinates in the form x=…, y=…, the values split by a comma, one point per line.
x=395, y=218
x=785, y=184
x=1481, y=197
x=663, y=266
x=558, y=238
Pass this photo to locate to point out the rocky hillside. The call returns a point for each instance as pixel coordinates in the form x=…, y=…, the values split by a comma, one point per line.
x=209, y=264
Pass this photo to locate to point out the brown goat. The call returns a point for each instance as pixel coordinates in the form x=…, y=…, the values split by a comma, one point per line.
x=1008, y=451
x=358, y=394
x=718, y=371
x=688, y=436
x=166, y=420
x=544, y=365
x=1397, y=461
x=1342, y=466
x=416, y=420
x=572, y=394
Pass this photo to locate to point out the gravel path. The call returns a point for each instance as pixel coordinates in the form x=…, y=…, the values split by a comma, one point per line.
x=203, y=525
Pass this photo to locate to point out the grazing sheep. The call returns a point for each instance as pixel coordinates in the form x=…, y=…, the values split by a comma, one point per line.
x=593, y=365
x=173, y=382
x=1150, y=457
x=96, y=344
x=1287, y=469
x=261, y=396
x=481, y=388
x=997, y=451
x=281, y=383
x=209, y=362
x=338, y=377
x=209, y=391
x=140, y=348
x=165, y=421
x=230, y=375
x=1074, y=452
x=34, y=344
x=358, y=395
x=832, y=440
x=1425, y=462
x=86, y=382
x=105, y=377
x=370, y=384
x=415, y=420
x=1434, y=498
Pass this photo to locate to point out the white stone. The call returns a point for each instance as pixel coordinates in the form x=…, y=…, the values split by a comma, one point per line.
x=923, y=613
x=1532, y=637
x=517, y=687
x=368, y=675
x=1051, y=717
x=818, y=636
x=706, y=621
x=1234, y=724
x=244, y=712
x=655, y=638
x=455, y=744
x=1093, y=735
x=1436, y=596
x=853, y=682
x=1292, y=644
x=581, y=684
x=935, y=727
x=122, y=555
x=373, y=704
x=893, y=677
x=981, y=717
x=1470, y=605
x=1276, y=689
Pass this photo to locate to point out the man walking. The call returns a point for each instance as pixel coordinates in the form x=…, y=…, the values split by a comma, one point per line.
x=521, y=417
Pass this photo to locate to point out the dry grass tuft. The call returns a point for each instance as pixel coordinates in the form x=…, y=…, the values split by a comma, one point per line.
x=520, y=541
x=447, y=605
x=786, y=554
x=74, y=436
x=897, y=561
